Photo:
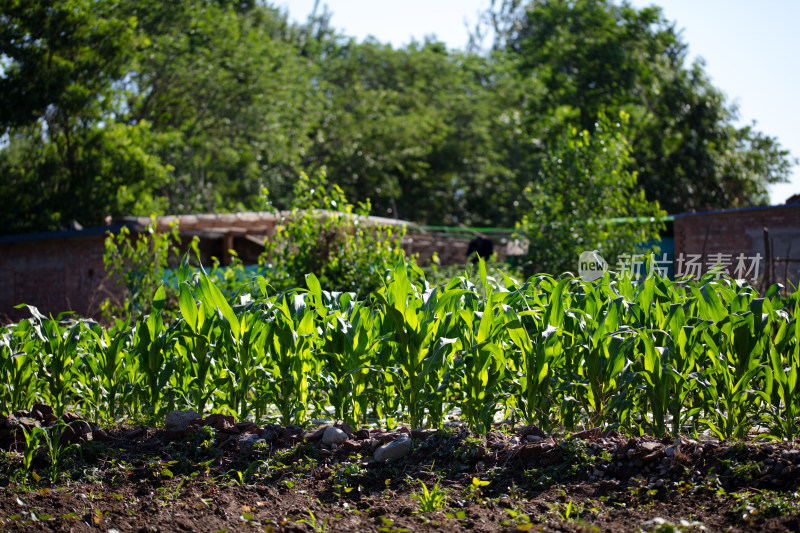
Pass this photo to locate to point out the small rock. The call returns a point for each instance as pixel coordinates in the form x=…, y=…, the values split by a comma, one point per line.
x=69, y=416
x=530, y=450
x=134, y=434
x=351, y=445
x=176, y=434
x=246, y=427
x=422, y=434
x=533, y=438
x=269, y=432
x=650, y=447
x=315, y=434
x=588, y=434
x=291, y=434
x=221, y=422
x=344, y=426
x=76, y=429
x=669, y=451
x=400, y=447
x=43, y=413
x=333, y=435
x=361, y=434
x=531, y=430
x=247, y=441
x=29, y=423
x=179, y=420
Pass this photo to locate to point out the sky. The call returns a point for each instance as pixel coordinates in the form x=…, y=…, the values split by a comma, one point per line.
x=751, y=49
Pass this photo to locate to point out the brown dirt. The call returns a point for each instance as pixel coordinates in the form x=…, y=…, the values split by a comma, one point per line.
x=141, y=479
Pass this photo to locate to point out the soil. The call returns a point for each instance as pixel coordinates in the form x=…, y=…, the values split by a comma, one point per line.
x=207, y=478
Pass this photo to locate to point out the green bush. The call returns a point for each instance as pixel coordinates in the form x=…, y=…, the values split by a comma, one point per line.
x=140, y=263
x=586, y=198
x=322, y=234
x=325, y=235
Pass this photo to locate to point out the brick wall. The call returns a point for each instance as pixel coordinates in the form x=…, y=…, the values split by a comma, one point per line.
x=741, y=231
x=54, y=274
x=63, y=271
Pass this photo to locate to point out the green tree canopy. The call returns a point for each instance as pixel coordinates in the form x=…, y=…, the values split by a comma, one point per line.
x=70, y=152
x=139, y=107
x=596, y=55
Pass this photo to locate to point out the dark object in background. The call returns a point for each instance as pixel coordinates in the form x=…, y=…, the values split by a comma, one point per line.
x=480, y=246
x=793, y=200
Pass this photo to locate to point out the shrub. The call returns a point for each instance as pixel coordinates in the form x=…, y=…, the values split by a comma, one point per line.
x=325, y=235
x=585, y=198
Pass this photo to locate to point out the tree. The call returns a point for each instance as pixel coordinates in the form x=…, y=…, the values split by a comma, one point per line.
x=418, y=130
x=594, y=56
x=67, y=155
x=586, y=199
x=233, y=93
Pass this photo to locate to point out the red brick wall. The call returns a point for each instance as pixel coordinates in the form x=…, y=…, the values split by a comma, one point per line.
x=55, y=275
x=742, y=231
x=64, y=272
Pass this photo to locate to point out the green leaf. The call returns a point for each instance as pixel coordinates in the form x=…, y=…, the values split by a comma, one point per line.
x=159, y=298
x=188, y=306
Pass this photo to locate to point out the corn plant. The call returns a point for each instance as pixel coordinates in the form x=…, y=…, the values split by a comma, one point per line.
x=18, y=371
x=152, y=346
x=734, y=354
x=782, y=378
x=430, y=500
x=57, y=357
x=651, y=355
x=419, y=324
x=346, y=350
x=108, y=371
x=288, y=344
x=482, y=362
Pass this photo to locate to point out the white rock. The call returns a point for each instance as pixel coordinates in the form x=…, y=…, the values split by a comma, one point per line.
x=399, y=447
x=333, y=435
x=177, y=420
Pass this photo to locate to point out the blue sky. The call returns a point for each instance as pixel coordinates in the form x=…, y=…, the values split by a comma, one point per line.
x=750, y=48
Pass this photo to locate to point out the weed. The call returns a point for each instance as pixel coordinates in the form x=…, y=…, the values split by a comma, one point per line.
x=430, y=501
x=315, y=524
x=474, y=490
x=752, y=506
x=520, y=520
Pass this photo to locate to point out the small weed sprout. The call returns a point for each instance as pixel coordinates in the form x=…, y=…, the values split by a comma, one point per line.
x=473, y=491
x=430, y=501
x=316, y=525
x=751, y=506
